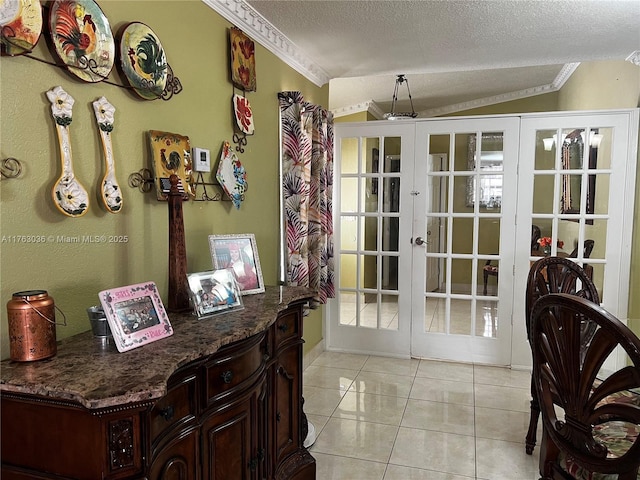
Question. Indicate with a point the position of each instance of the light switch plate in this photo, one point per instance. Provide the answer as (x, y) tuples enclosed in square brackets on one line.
[(201, 159)]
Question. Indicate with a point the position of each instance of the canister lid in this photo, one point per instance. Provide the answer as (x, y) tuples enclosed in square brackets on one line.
[(30, 293)]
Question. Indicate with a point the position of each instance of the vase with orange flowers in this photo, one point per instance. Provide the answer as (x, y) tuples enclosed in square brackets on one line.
[(545, 243)]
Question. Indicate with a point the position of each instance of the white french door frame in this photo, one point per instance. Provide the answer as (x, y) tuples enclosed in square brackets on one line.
[(618, 249), (389, 342), (614, 295)]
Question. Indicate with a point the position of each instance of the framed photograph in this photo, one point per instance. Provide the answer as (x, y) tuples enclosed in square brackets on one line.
[(135, 314), (214, 292), (240, 254)]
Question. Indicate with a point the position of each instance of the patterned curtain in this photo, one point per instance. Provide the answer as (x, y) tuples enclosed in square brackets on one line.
[(307, 189)]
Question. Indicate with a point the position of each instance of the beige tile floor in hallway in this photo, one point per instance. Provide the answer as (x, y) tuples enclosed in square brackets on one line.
[(379, 418)]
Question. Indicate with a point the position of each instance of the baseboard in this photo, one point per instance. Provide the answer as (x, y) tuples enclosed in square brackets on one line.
[(312, 354)]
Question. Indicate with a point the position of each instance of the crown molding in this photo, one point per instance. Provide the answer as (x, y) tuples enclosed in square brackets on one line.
[(634, 58), (564, 74), (370, 106), (243, 16)]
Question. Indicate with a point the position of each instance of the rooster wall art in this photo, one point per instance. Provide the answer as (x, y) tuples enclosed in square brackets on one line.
[(82, 38), (143, 60)]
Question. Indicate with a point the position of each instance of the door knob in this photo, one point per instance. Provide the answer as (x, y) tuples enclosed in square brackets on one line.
[(419, 241)]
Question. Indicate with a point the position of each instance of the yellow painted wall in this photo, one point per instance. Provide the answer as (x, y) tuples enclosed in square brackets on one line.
[(195, 40)]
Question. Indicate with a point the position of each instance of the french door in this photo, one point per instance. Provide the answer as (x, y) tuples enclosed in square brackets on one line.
[(463, 216), (577, 184), (425, 208), (372, 183)]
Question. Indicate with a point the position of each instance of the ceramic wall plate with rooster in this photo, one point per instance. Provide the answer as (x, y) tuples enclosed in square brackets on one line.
[(143, 60), (21, 23), (171, 154), (82, 38)]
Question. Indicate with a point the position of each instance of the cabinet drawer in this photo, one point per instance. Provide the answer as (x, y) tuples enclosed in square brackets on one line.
[(177, 406), (233, 367), (286, 327)]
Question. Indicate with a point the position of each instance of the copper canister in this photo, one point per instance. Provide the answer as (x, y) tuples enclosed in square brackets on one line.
[(32, 326)]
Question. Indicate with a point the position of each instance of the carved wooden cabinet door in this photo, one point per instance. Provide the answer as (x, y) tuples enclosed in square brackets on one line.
[(287, 401), (178, 461), (231, 445)]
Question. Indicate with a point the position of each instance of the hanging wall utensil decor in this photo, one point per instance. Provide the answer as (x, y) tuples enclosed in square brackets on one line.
[(69, 196), (109, 189)]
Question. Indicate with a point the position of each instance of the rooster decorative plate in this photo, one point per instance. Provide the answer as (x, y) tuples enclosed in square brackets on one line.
[(82, 38), (143, 60), (171, 155), (21, 23)]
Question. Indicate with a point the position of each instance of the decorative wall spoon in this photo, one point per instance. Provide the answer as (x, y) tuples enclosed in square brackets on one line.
[(109, 189), (69, 196)]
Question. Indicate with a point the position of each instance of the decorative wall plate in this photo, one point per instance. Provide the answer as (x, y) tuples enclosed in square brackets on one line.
[(143, 60), (243, 62), (171, 154), (82, 38), (21, 23), (243, 114), (231, 175)]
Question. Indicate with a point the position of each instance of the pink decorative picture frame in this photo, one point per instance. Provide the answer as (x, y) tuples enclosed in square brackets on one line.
[(136, 315)]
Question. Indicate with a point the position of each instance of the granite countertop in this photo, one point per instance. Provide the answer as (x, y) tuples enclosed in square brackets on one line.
[(96, 377)]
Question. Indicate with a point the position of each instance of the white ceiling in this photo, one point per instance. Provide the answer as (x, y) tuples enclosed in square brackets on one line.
[(456, 54)]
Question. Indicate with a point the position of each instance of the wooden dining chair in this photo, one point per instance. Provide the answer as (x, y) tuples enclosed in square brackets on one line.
[(553, 275), (587, 432)]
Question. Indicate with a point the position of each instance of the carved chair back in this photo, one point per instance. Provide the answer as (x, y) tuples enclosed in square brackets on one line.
[(554, 275), (586, 429)]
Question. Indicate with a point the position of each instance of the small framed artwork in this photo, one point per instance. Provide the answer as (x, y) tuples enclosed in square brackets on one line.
[(136, 315), (214, 292), (240, 254)]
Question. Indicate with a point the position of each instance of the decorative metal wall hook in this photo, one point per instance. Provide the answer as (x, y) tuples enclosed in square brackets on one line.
[(205, 195), (173, 86), (142, 180), (10, 168), (240, 139)]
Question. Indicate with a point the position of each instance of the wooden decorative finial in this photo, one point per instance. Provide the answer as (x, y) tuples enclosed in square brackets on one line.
[(178, 300)]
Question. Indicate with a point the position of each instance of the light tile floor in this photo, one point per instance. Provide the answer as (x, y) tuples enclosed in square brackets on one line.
[(380, 418)]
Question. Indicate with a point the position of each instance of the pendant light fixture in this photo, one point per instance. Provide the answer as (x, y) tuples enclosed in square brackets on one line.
[(393, 115)]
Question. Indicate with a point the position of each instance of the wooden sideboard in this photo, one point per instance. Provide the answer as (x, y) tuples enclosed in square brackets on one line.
[(226, 408)]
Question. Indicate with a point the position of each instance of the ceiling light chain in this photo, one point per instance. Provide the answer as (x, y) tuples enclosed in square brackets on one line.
[(393, 115)]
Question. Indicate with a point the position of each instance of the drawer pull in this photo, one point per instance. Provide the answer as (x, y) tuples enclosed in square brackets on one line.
[(282, 327), (167, 413), (227, 376)]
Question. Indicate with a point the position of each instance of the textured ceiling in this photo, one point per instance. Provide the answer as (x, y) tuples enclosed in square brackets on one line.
[(455, 53)]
